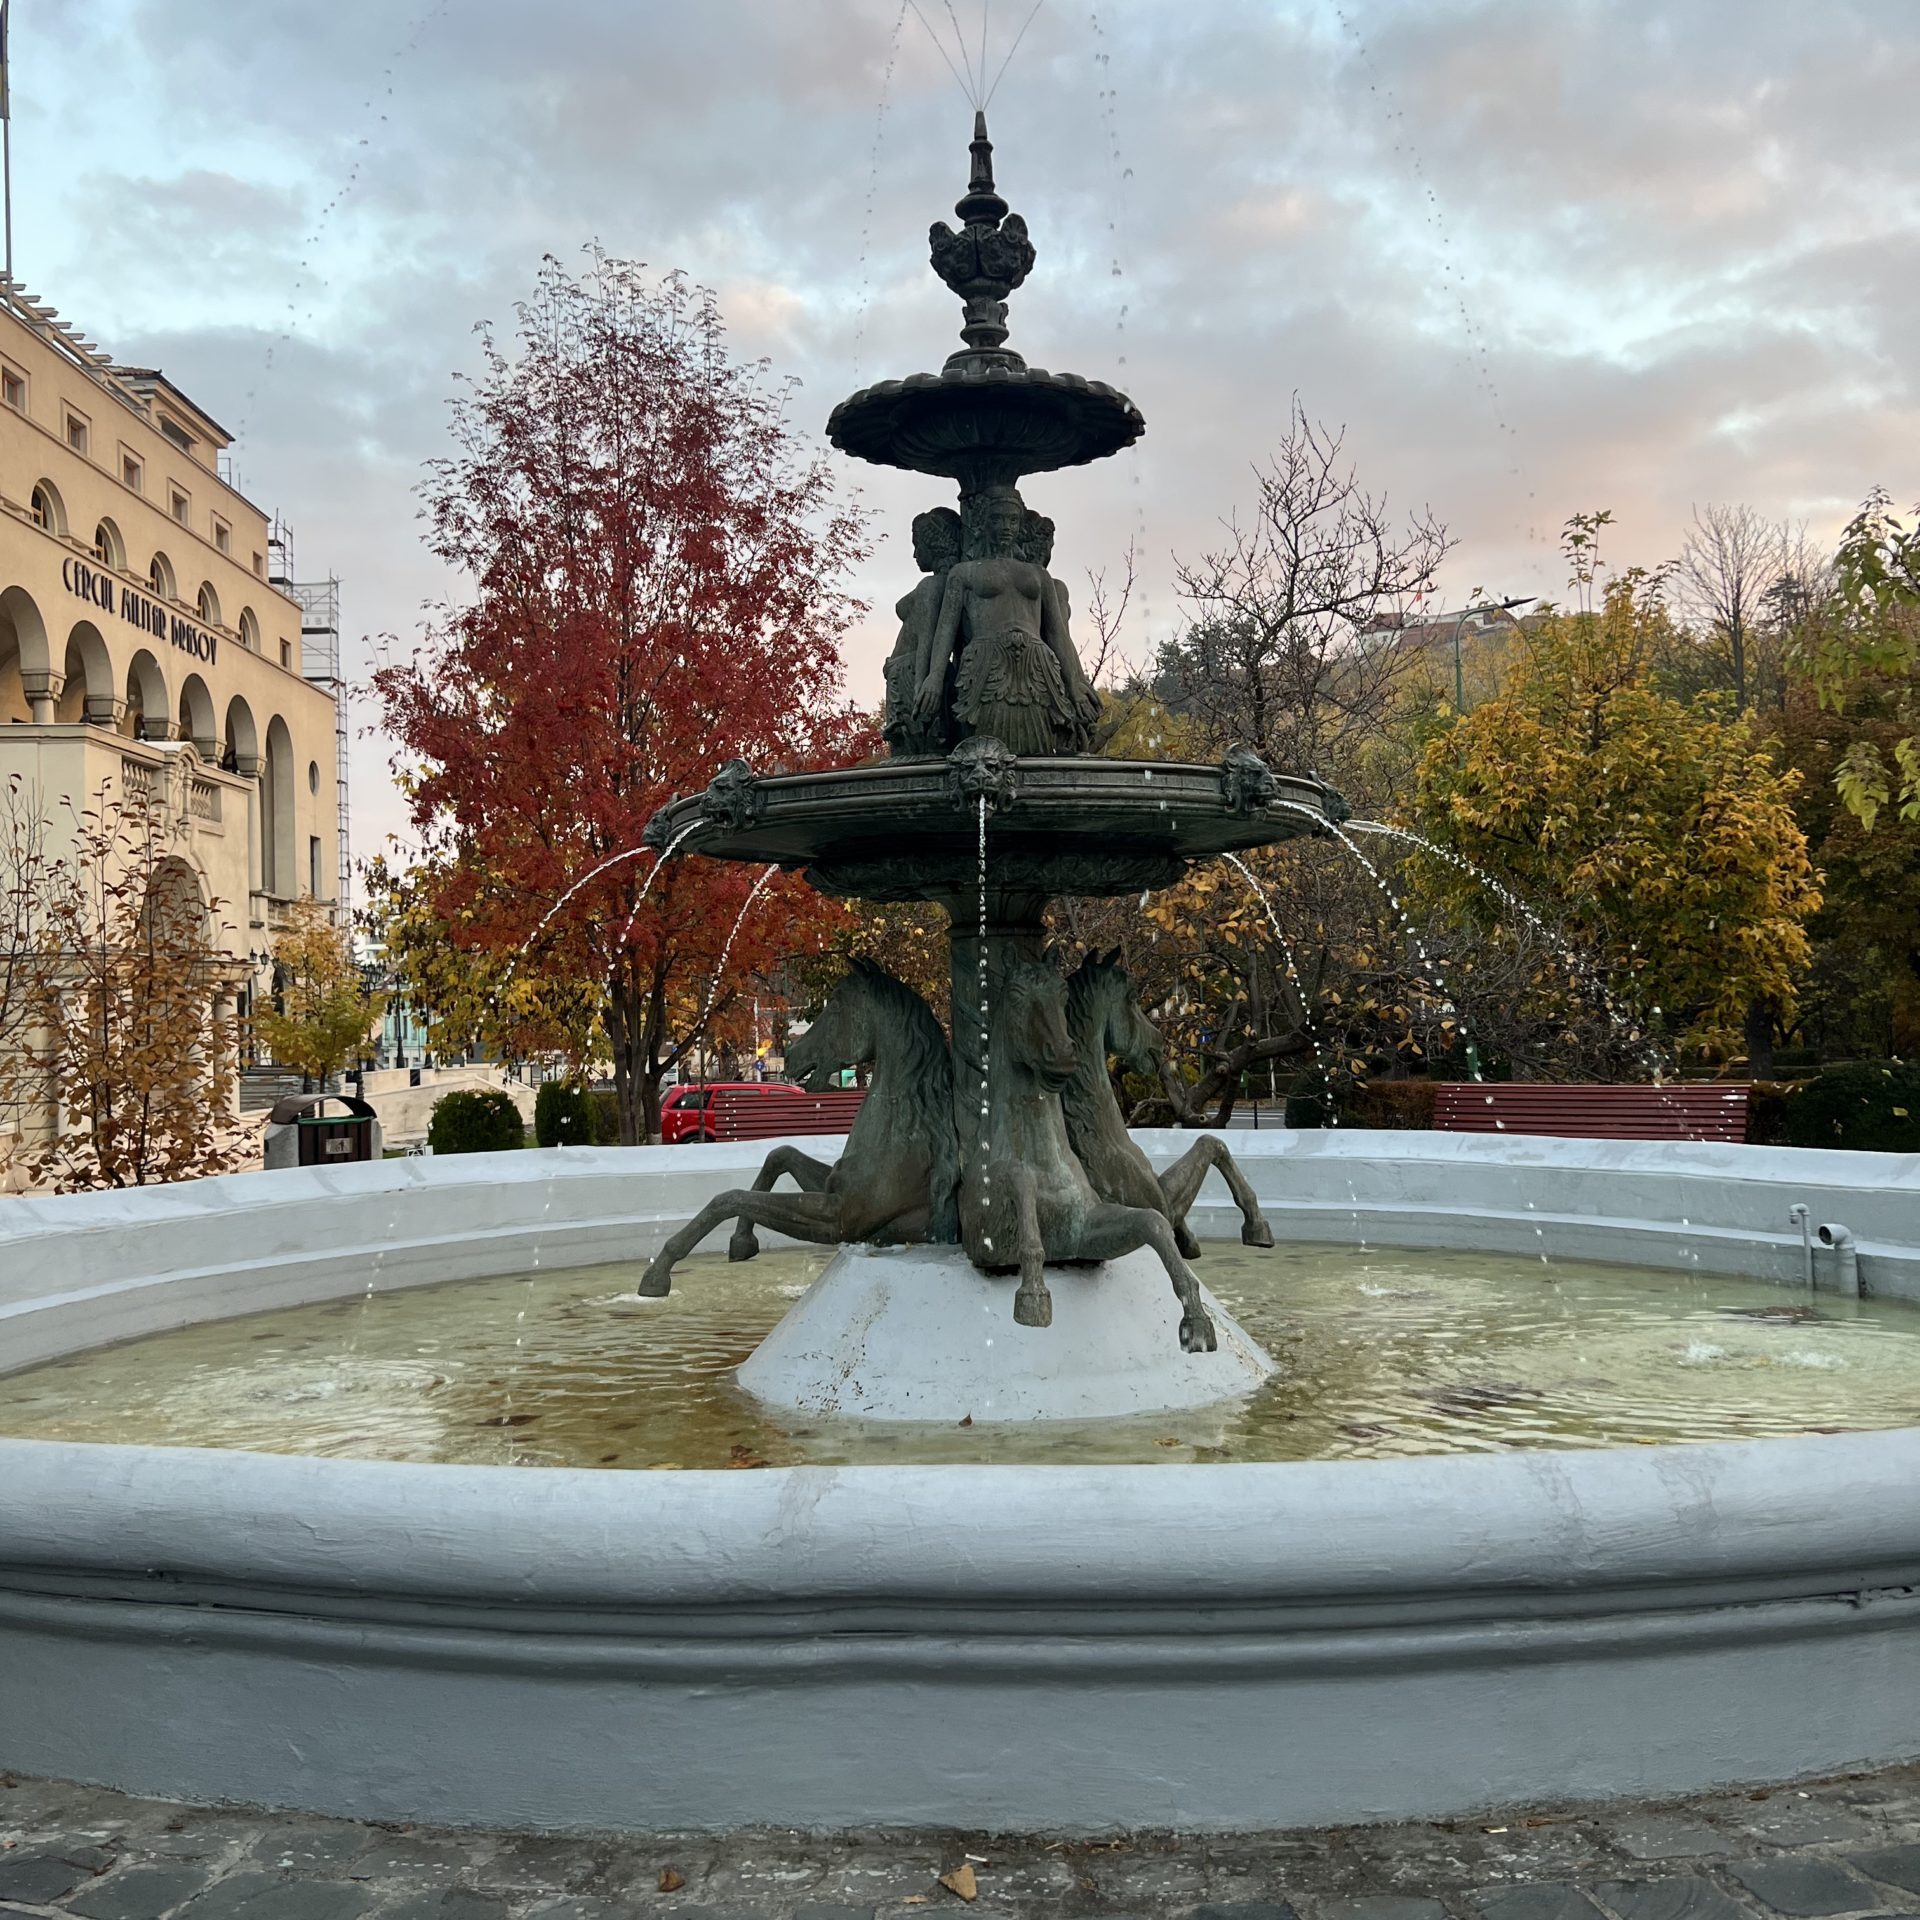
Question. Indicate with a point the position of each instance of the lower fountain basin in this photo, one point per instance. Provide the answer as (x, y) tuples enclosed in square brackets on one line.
[(908, 829), (1063, 1648), (919, 1333)]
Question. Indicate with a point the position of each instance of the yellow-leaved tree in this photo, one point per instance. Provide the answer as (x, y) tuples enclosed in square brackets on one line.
[(323, 1012), (1662, 830)]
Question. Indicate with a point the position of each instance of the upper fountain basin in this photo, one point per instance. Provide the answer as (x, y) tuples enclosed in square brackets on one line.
[(985, 419), (909, 829)]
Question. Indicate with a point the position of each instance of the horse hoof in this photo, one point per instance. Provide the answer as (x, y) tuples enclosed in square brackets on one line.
[(1196, 1333), (655, 1285), (1033, 1307), (1256, 1233), (1183, 1239), (743, 1246)]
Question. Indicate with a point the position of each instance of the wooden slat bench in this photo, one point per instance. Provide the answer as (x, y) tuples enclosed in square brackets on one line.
[(749, 1116), (1695, 1112)]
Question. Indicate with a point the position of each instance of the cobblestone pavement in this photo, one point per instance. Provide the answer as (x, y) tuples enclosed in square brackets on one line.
[(1834, 1848)]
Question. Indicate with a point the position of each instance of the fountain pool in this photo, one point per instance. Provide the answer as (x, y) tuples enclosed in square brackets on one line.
[(1074, 1647), (1382, 1353)]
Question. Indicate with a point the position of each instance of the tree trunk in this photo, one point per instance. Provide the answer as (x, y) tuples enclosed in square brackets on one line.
[(636, 1080), (1759, 1040)]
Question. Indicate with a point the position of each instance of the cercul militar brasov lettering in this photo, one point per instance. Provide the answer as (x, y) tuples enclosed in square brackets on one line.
[(101, 590)]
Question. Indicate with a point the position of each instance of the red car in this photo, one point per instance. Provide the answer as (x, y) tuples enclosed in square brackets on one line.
[(683, 1111)]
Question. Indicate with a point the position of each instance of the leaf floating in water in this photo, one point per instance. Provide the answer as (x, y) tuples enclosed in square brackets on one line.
[(1168, 1441), (607, 1459), (968, 1421), (1773, 1316), (742, 1456), (511, 1420), (1363, 1430)]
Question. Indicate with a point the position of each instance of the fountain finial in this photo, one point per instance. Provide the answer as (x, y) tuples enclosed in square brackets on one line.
[(980, 201), (985, 260)]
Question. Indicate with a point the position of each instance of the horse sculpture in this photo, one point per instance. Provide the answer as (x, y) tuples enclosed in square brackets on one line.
[(1026, 1200), (897, 1178), (1103, 1017)]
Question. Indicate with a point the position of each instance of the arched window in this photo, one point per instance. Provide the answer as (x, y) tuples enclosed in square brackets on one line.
[(46, 509), (160, 576), (249, 629), (108, 548), (208, 604)]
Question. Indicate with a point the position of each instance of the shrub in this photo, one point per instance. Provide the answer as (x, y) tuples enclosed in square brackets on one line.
[(485, 1121), (605, 1108), (1389, 1103), (563, 1115), (1873, 1106), (1310, 1100), (1767, 1113)]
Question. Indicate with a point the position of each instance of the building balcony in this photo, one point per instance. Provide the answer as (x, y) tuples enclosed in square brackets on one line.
[(81, 769)]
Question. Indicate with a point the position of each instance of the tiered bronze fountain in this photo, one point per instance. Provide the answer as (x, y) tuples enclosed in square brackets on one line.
[(993, 801)]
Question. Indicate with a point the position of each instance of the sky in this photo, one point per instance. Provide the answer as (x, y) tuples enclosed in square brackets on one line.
[(1536, 258)]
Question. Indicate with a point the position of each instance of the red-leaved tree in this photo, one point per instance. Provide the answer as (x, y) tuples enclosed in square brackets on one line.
[(658, 572)]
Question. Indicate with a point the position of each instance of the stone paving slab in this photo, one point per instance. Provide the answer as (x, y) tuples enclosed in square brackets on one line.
[(1841, 1849)]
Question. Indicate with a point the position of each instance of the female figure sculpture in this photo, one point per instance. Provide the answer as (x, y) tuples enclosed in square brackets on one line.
[(1018, 680), (936, 550)]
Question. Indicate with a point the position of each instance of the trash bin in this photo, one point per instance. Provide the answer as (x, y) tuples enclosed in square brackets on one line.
[(300, 1133)]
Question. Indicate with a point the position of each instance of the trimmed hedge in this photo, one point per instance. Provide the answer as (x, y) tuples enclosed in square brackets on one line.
[(470, 1121), (563, 1115), (1404, 1104), (1872, 1107)]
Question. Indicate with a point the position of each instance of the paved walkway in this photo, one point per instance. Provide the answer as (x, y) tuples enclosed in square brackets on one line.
[(1840, 1847)]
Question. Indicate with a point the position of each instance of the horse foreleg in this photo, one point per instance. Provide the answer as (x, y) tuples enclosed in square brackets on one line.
[(808, 1174), (801, 1216), (1112, 1231), (1032, 1303), (1181, 1186)]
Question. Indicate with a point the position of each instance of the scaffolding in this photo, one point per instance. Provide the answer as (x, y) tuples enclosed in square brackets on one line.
[(319, 602)]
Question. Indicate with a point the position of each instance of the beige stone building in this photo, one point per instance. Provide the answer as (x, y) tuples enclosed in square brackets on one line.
[(151, 644)]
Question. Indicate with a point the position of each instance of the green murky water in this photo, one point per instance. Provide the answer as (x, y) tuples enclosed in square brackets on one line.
[(1380, 1353)]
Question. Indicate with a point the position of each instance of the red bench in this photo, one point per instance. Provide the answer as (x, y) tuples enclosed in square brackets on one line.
[(749, 1116), (1713, 1112)]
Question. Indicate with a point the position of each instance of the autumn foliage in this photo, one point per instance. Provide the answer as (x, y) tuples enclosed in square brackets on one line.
[(657, 571), (126, 1040), (1662, 828)]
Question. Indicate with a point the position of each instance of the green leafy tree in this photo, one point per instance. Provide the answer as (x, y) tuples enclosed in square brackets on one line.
[(1874, 642), (1664, 829), (325, 1012)]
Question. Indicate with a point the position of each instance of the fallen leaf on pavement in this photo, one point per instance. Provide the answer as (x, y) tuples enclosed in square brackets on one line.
[(670, 1881), (962, 1882)]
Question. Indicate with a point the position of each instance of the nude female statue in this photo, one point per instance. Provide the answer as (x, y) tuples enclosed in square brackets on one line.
[(1019, 680), (936, 550)]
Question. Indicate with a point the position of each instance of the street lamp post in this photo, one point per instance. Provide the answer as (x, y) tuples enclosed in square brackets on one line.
[(1460, 620)]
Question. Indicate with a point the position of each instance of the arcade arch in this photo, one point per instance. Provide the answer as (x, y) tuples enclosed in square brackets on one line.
[(195, 717), (148, 710), (91, 692), (25, 664), (278, 843)]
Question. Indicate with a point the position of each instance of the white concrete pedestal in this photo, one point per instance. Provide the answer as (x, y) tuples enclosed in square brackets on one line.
[(918, 1333)]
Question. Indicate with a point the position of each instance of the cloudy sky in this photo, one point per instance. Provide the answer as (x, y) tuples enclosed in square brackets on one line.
[(1536, 257)]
